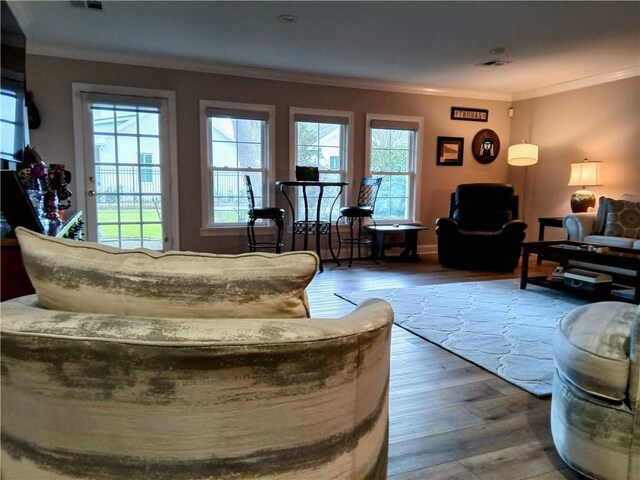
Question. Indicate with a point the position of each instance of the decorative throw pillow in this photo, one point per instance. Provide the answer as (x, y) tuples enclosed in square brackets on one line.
[(87, 277), (601, 216), (623, 219)]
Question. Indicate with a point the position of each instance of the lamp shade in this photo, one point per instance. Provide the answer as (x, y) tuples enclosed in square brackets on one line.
[(523, 154), (585, 173)]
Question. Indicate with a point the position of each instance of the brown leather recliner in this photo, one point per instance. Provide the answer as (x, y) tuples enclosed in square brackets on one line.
[(482, 230)]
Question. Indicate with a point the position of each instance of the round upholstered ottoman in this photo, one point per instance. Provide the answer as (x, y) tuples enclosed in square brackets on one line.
[(594, 406)]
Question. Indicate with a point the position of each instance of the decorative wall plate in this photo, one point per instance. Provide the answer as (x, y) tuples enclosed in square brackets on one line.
[(485, 146)]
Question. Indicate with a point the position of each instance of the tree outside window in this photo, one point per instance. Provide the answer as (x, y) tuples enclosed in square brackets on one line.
[(321, 145), (392, 155)]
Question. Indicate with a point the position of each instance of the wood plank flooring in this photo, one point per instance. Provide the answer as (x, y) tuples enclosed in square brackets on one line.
[(449, 420)]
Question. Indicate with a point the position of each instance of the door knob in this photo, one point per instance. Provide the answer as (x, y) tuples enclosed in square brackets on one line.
[(91, 193)]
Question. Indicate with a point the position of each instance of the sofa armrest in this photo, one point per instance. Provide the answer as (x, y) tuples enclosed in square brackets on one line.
[(130, 397), (514, 226), (579, 225), (634, 369), (446, 225)]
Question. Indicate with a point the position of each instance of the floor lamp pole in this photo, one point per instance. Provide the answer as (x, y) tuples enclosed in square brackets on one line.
[(524, 193)]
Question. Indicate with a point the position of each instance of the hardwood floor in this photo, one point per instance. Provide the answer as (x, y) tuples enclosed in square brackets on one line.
[(448, 418)]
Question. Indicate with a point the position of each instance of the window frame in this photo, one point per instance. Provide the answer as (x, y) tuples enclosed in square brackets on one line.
[(346, 172), (414, 175), (208, 227)]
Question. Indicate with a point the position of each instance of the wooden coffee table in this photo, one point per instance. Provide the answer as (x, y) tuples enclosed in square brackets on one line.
[(562, 251)]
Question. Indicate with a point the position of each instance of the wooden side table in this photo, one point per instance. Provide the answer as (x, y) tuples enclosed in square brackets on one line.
[(410, 243), (554, 222)]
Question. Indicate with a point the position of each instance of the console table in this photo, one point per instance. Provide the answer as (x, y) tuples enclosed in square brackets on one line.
[(410, 243), (562, 251)]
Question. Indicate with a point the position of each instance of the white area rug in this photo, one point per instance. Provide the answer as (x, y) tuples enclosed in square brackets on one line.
[(493, 324)]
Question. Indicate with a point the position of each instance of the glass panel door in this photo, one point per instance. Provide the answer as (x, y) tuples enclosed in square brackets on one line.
[(125, 173)]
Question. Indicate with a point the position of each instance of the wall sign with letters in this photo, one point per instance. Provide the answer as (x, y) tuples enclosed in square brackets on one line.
[(470, 114)]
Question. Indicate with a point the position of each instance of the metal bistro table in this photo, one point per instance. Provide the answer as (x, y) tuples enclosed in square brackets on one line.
[(308, 227)]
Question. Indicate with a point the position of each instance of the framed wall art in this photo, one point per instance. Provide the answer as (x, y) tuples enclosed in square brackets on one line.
[(450, 151), (485, 146), (469, 114)]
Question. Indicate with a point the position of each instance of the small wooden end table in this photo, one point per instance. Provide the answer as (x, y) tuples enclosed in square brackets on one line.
[(410, 242)]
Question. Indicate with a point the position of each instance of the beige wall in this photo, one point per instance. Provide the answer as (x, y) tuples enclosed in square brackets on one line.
[(50, 79), (601, 123)]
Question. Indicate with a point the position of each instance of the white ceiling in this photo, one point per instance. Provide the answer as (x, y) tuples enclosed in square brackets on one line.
[(420, 43)]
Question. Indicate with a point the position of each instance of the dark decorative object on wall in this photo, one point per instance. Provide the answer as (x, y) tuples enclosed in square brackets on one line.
[(33, 114), (485, 146), (469, 114), (450, 151)]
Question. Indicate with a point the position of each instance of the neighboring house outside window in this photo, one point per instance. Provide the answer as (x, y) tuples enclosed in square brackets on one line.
[(146, 173), (322, 139), (393, 149), (239, 142)]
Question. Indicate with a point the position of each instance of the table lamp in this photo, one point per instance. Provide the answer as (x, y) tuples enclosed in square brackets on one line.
[(584, 174)]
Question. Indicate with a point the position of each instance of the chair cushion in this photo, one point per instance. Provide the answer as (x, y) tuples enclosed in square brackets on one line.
[(87, 277), (355, 211), (482, 219), (608, 241), (483, 206), (268, 212), (622, 219), (591, 348)]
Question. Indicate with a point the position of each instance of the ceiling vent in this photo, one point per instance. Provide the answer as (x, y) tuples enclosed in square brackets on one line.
[(86, 5), (494, 63)]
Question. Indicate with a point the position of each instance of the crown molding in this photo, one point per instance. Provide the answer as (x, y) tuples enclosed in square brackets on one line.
[(261, 73), (317, 79), (580, 83), (21, 12)]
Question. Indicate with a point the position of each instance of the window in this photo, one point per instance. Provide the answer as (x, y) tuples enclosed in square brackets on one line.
[(238, 143), (393, 151), (321, 138), (8, 123)]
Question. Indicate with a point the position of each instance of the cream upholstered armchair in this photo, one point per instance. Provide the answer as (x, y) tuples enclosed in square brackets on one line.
[(609, 225), (595, 404), (192, 391)]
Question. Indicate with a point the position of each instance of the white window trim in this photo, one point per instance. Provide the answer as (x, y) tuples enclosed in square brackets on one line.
[(415, 195), (348, 165), (173, 236), (270, 166)]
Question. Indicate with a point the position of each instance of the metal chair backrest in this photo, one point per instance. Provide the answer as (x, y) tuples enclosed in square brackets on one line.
[(368, 193), (250, 197)]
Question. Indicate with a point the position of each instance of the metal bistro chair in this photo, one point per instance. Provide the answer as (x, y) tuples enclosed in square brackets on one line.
[(367, 195), (263, 213)]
